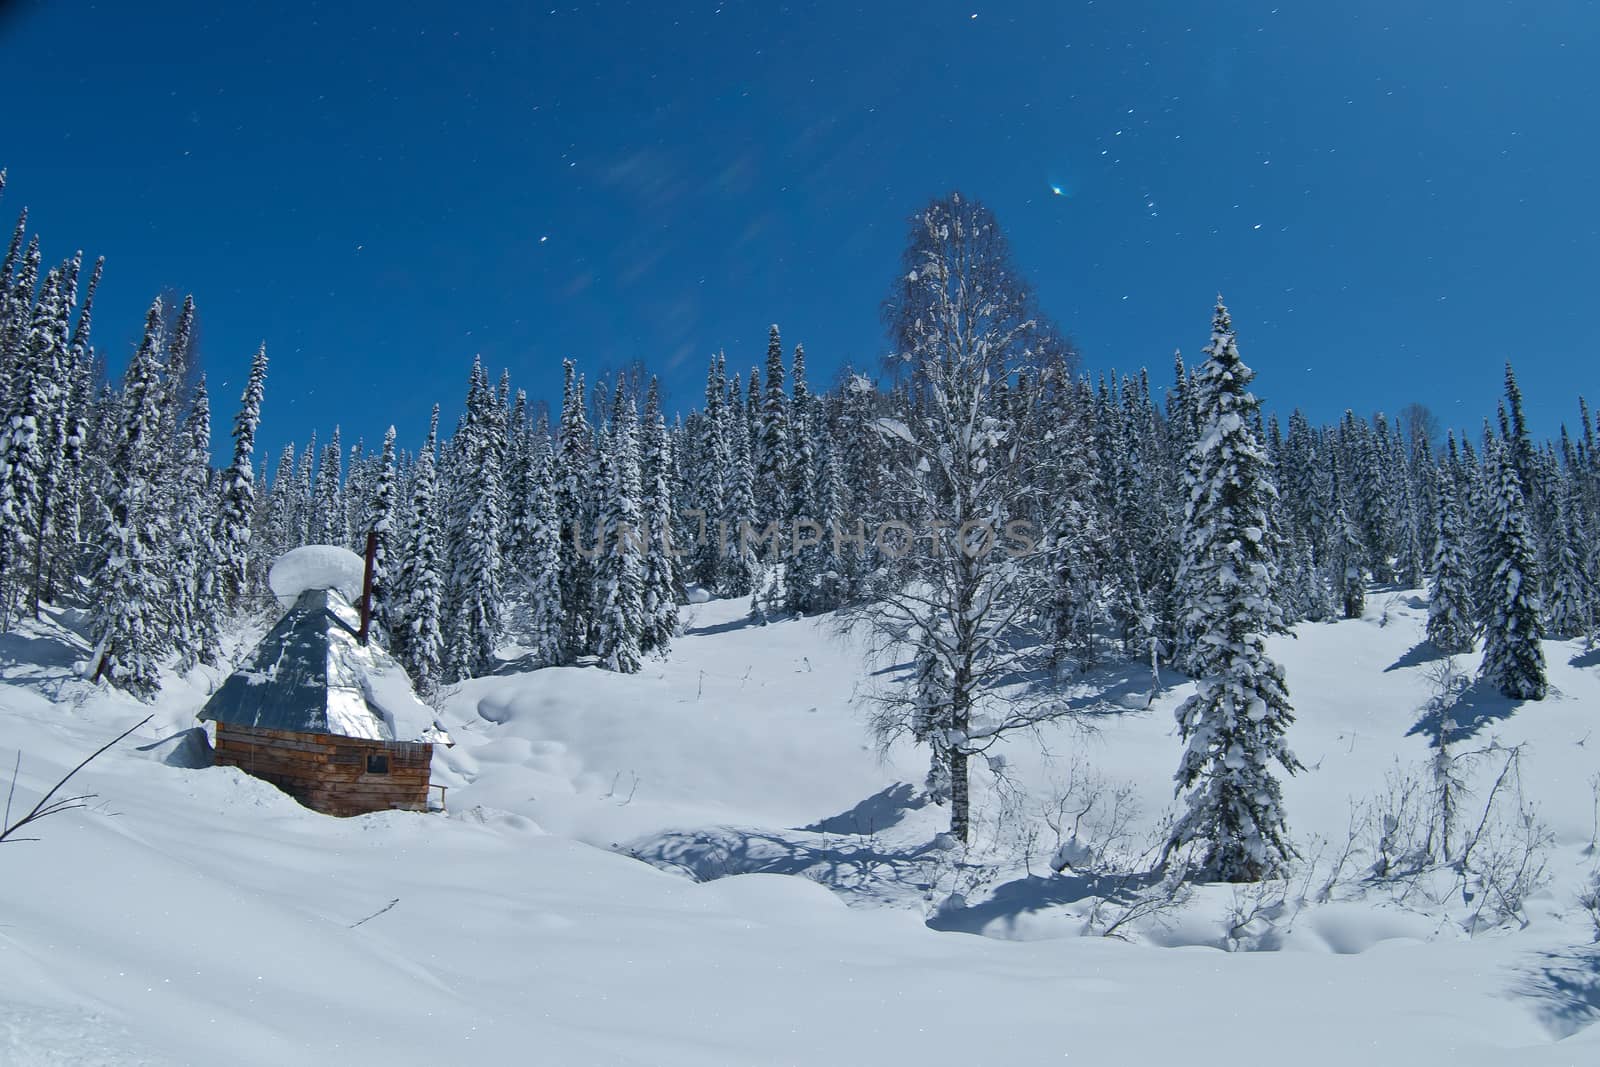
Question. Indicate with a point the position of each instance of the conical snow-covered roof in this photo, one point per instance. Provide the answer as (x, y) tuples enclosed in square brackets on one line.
[(309, 674)]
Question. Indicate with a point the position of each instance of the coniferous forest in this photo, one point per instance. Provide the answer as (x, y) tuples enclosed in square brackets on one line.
[(979, 498)]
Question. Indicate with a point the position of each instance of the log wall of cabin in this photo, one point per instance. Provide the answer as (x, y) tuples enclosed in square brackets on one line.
[(329, 774)]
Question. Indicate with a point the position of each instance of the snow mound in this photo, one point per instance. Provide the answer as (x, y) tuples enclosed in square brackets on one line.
[(316, 567), (769, 897)]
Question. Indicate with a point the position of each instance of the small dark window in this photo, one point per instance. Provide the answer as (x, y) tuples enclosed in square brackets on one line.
[(377, 764)]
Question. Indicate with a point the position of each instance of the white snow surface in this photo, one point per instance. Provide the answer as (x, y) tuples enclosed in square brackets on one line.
[(316, 567), (195, 915)]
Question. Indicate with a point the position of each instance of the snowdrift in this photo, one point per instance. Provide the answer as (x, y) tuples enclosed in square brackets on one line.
[(195, 913)]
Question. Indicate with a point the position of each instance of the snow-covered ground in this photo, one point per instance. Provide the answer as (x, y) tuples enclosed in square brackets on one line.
[(195, 915)]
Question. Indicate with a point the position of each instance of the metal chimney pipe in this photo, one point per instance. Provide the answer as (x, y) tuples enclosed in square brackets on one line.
[(366, 587)]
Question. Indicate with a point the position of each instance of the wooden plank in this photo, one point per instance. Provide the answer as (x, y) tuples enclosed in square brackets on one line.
[(275, 744), (337, 789)]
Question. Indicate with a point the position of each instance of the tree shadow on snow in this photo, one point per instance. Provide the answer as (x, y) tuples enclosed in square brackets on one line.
[(859, 869), (1423, 652), (37, 651), (1591, 658), (998, 913), (1479, 705), (881, 810), (46, 661), (743, 622), (1566, 988), (1115, 689)]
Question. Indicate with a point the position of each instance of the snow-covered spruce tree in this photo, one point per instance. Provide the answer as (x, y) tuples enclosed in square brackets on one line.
[(52, 355), (961, 321), (1346, 554), (417, 637), (1140, 561), (1303, 484), (543, 554), (381, 522), (277, 531), (1519, 443), (740, 566), (1370, 506), (168, 481), (352, 525), (575, 514), (1450, 615), (619, 570), (8, 266), (326, 523), (707, 463), (1513, 659), (1412, 571), (752, 409), (515, 547), (1065, 465), (237, 511), (17, 312), (863, 464), (770, 448), (66, 523), (473, 596), (27, 466), (1571, 609), (128, 583), (64, 554), (1481, 489), (1316, 601), (835, 565), (802, 575), (660, 594), (303, 524), (1234, 724), (189, 553)]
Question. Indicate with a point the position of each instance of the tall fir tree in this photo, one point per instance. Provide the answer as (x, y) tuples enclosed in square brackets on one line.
[(417, 635), (1347, 553), (72, 495), (128, 583), (197, 580), (474, 602), (26, 460), (1571, 606), (1513, 658), (573, 513), (1234, 725), (619, 568), (236, 514), (770, 449), (660, 594), (543, 555), (712, 463), (739, 564), (326, 524), (303, 525), (51, 354), (1450, 612), (804, 549), (359, 484), (381, 522)]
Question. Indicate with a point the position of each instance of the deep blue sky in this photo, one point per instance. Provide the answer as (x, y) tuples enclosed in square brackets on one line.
[(1393, 202)]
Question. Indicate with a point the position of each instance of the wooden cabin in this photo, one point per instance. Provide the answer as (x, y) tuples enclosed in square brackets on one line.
[(326, 718), (331, 774)]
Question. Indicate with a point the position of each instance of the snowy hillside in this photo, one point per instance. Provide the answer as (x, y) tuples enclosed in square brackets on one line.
[(195, 915)]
